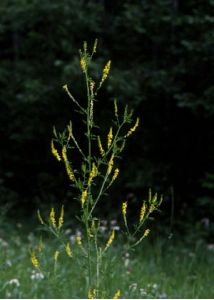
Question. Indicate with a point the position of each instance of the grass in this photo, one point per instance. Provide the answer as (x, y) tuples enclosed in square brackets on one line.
[(160, 268)]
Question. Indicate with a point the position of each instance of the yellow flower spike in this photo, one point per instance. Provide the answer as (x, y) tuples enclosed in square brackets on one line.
[(68, 250), (124, 208), (110, 240), (106, 71), (92, 294), (61, 217), (54, 151), (67, 164), (115, 108), (56, 255), (110, 164), (116, 173), (79, 240), (93, 173), (146, 233), (83, 64), (133, 128), (34, 260), (39, 217), (83, 197), (110, 137), (102, 152), (92, 86), (117, 294), (52, 217), (142, 211)]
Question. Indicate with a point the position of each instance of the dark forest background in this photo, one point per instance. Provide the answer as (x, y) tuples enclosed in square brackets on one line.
[(162, 66)]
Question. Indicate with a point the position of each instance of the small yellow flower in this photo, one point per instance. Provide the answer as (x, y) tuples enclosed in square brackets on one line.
[(93, 173), (117, 295), (116, 173), (110, 164), (110, 240), (106, 71), (67, 164), (83, 197), (146, 233), (124, 208), (142, 211), (34, 260), (110, 137), (61, 218), (79, 240), (54, 151), (102, 152), (68, 250), (52, 217), (83, 64), (39, 217), (56, 255), (92, 86), (92, 294), (133, 128)]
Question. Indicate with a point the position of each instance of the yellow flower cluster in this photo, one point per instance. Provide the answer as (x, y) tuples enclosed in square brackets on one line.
[(52, 217), (92, 86), (106, 71), (110, 164), (84, 196), (68, 250), (92, 294), (83, 64), (54, 151), (146, 233), (110, 137), (93, 173), (61, 218), (110, 240), (116, 173), (67, 164), (102, 152), (117, 295), (34, 260), (133, 128), (124, 208), (79, 240), (142, 211)]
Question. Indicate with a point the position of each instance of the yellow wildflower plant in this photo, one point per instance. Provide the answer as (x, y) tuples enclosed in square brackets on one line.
[(34, 260), (68, 250), (110, 138), (83, 197), (124, 208), (117, 294), (83, 64), (115, 108), (93, 173), (115, 175), (110, 164), (92, 294), (133, 128), (69, 171), (52, 217), (106, 71), (54, 151), (79, 240), (102, 152), (111, 239), (146, 233), (143, 211), (61, 217)]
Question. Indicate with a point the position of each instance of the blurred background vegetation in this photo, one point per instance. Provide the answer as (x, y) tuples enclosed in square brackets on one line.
[(162, 66)]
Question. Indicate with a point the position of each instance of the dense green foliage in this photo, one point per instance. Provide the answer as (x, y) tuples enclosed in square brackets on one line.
[(162, 66)]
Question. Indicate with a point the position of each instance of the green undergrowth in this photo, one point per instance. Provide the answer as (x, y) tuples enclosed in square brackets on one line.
[(159, 268)]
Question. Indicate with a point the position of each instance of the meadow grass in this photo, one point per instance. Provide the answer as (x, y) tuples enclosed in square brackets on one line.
[(159, 268)]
